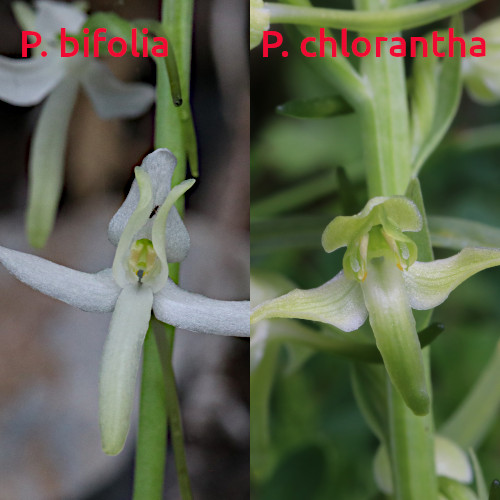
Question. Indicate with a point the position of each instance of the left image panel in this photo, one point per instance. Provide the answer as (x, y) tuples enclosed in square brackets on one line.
[(124, 250)]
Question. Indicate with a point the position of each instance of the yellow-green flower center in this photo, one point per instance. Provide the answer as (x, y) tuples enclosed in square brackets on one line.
[(378, 242), (143, 260)]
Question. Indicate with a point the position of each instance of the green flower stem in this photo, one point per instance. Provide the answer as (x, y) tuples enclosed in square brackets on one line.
[(385, 125), (411, 445), (169, 133), (397, 19), (152, 436), (164, 341), (386, 144), (177, 21)]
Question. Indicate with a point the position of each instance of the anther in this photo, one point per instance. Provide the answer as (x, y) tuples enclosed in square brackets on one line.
[(140, 274)]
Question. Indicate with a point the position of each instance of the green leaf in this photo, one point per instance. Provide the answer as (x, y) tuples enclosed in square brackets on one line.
[(317, 107), (474, 417), (296, 147), (114, 24), (369, 385), (261, 384), (457, 234), (435, 104), (453, 490), (482, 493), (383, 21), (296, 196), (298, 232)]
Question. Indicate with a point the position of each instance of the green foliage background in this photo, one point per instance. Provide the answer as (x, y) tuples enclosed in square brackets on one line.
[(320, 444)]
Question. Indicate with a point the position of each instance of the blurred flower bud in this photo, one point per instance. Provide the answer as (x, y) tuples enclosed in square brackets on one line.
[(451, 463), (482, 73), (259, 21)]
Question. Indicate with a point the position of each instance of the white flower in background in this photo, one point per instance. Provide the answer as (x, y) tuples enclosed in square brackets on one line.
[(482, 74), (26, 82), (148, 232), (382, 280)]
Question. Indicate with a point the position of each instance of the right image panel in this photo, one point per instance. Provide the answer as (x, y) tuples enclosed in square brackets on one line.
[(375, 172)]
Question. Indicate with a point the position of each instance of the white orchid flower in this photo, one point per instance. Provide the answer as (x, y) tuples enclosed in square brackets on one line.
[(26, 82), (381, 280), (148, 232)]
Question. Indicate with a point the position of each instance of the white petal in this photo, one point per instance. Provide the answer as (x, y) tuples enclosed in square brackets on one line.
[(46, 161), (113, 98), (160, 165), (26, 82), (90, 292), (135, 222), (198, 313), (158, 231), (52, 16), (120, 362), (429, 283), (338, 302)]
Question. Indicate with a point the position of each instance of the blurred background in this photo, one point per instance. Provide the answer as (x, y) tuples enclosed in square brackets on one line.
[(320, 446), (50, 353)]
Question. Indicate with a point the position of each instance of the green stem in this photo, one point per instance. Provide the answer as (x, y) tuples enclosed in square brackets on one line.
[(337, 70), (165, 346), (411, 445), (386, 144), (152, 435), (154, 406), (397, 19), (385, 125)]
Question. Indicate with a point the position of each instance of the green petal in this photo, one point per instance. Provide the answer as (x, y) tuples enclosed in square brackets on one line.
[(338, 302), (138, 218), (395, 333), (397, 210), (428, 284)]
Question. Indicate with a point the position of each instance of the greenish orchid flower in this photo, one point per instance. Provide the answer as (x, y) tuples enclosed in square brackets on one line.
[(482, 74), (383, 281), (26, 82), (149, 233), (259, 21)]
